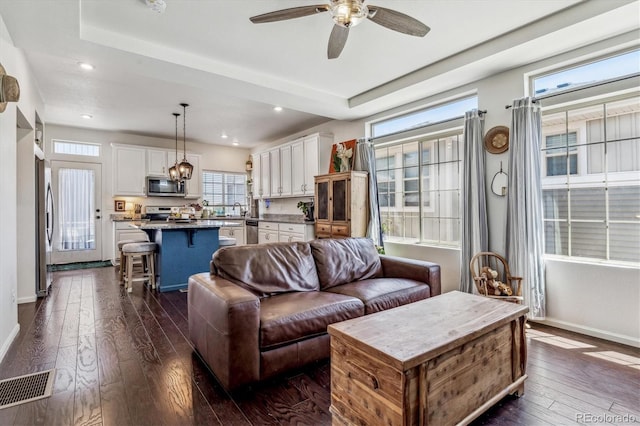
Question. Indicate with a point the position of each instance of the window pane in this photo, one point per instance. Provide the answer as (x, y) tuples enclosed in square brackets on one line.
[(587, 74), (556, 237), (588, 240), (76, 148), (626, 203), (588, 204), (424, 117), (76, 207), (624, 241), (224, 191), (555, 203)]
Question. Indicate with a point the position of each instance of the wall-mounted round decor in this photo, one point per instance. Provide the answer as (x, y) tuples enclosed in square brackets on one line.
[(496, 140)]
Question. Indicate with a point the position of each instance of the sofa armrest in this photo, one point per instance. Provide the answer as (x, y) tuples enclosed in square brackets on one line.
[(224, 321), (419, 270)]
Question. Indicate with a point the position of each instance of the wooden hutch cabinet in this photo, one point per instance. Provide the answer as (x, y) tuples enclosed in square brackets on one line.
[(341, 204)]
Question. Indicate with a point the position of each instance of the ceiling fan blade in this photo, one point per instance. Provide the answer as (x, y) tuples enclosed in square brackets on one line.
[(337, 40), (397, 21), (294, 12)]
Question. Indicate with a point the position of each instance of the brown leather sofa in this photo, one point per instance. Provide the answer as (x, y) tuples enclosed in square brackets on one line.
[(264, 309)]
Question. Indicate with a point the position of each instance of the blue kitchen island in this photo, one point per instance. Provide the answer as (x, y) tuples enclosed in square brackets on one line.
[(183, 249)]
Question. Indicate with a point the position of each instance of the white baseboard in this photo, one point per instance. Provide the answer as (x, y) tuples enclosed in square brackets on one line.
[(593, 332), (28, 299), (7, 343)]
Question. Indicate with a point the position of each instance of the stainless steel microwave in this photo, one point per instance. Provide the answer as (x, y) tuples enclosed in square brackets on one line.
[(164, 187)]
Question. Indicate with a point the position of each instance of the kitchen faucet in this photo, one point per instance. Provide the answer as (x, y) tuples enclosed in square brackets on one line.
[(240, 208)]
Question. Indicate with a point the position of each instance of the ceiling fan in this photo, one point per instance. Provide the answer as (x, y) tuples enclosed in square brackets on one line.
[(347, 14)]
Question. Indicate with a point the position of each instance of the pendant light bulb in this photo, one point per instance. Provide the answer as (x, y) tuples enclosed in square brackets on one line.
[(174, 174), (185, 168)]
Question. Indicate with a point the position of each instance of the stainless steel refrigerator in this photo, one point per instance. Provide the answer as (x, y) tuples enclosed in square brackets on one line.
[(45, 216)]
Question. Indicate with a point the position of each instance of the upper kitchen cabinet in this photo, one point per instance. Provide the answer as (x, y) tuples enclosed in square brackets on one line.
[(194, 185), (288, 170), (129, 170), (280, 160), (309, 157), (157, 162), (265, 175)]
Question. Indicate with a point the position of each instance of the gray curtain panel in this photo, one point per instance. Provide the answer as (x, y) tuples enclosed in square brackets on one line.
[(474, 235), (525, 228), (366, 161)]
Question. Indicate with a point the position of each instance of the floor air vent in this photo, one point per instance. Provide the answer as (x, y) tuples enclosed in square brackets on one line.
[(30, 387)]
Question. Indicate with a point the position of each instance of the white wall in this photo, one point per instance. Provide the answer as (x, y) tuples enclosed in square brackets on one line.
[(214, 157), (15, 64)]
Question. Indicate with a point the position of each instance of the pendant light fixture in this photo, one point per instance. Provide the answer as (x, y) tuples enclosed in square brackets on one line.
[(185, 168), (174, 174)]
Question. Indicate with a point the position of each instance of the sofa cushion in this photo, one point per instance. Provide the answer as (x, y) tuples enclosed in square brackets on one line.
[(287, 318), (267, 269), (341, 261), (379, 294)]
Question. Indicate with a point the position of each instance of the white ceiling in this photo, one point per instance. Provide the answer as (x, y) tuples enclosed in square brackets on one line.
[(232, 72)]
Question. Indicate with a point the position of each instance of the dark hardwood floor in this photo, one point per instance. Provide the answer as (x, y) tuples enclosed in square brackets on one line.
[(126, 359)]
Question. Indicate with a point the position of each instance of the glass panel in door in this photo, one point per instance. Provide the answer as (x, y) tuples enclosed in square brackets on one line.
[(339, 195), (322, 193), (78, 228)]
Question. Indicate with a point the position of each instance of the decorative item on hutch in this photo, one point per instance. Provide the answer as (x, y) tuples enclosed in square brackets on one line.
[(342, 156)]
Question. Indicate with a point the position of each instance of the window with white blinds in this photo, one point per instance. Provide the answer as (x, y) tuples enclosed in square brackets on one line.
[(224, 192)]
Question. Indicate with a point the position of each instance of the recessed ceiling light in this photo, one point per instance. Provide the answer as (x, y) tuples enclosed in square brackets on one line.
[(277, 108), (235, 144), (87, 116), (86, 66), (224, 136)]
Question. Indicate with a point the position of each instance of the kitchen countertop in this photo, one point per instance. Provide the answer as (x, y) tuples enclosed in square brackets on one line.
[(284, 218), (231, 220), (184, 225)]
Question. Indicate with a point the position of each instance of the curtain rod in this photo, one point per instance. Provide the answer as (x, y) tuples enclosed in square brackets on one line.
[(534, 100)]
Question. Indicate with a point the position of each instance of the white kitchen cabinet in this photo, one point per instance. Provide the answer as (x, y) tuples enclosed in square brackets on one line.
[(267, 232), (236, 232), (289, 169), (129, 171), (194, 185), (285, 171), (157, 162), (297, 167), (274, 172), (265, 175), (291, 232)]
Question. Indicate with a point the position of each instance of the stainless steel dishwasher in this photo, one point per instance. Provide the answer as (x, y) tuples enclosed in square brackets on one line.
[(252, 231)]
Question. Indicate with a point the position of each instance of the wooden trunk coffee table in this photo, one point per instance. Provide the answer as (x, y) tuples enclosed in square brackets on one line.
[(440, 361)]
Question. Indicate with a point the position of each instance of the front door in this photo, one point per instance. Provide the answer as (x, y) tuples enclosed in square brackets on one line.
[(78, 228)]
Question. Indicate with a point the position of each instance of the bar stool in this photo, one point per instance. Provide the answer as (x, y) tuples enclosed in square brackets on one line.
[(146, 251), (226, 241), (120, 244)]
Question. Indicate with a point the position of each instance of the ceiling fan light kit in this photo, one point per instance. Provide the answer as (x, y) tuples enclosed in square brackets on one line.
[(347, 14)]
